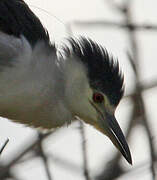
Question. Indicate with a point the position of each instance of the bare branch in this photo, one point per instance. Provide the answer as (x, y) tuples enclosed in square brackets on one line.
[(135, 64), (113, 24), (4, 145), (84, 151), (40, 152), (6, 169)]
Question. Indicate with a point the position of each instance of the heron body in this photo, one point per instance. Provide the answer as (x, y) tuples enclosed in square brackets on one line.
[(41, 89), (28, 82)]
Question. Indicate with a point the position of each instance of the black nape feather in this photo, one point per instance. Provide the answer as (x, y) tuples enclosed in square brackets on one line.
[(17, 19), (103, 71)]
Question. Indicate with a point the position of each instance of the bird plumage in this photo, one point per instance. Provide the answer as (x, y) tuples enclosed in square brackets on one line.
[(17, 19), (41, 89), (28, 63), (27, 82)]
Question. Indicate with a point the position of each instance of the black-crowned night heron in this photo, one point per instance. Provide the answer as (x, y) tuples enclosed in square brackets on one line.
[(41, 89)]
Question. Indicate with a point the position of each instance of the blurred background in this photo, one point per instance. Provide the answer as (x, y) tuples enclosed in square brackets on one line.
[(128, 29)]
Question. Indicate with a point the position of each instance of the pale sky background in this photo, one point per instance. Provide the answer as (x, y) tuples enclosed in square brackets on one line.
[(66, 143)]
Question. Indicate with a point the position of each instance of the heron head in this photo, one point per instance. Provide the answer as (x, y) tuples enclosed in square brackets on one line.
[(94, 88)]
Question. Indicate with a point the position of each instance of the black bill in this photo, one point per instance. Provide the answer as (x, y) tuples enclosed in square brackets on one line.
[(115, 133)]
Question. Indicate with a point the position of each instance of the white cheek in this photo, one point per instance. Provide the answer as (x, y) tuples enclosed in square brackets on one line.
[(78, 92), (86, 111)]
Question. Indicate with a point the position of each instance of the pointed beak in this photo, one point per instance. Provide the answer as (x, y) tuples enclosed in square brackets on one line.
[(111, 128)]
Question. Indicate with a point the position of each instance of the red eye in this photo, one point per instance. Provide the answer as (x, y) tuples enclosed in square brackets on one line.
[(98, 98)]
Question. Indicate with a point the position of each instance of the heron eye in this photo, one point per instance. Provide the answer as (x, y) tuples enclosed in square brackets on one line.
[(98, 98)]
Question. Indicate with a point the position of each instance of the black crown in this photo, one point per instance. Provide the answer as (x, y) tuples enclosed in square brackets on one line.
[(103, 71)]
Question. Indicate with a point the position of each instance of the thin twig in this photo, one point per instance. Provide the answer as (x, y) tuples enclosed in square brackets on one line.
[(6, 169), (43, 156), (144, 87), (4, 145), (113, 24), (84, 151), (135, 63)]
